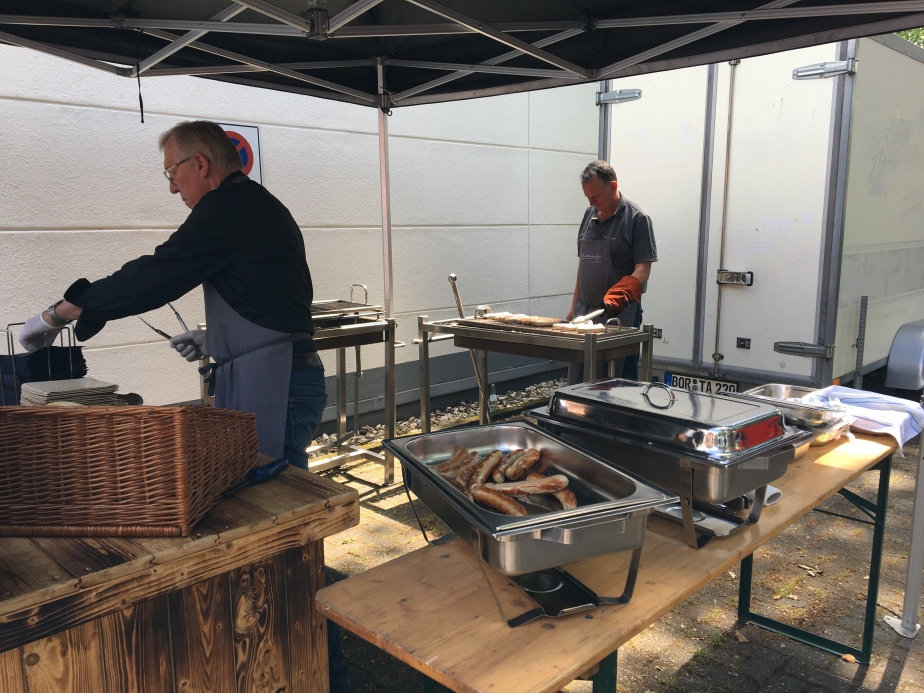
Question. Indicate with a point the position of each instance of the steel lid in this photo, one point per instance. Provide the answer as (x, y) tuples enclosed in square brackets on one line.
[(691, 422)]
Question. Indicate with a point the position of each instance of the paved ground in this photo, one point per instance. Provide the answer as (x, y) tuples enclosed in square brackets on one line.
[(697, 647)]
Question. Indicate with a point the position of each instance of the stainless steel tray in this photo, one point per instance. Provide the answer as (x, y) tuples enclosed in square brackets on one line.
[(613, 505), (692, 423), (796, 413)]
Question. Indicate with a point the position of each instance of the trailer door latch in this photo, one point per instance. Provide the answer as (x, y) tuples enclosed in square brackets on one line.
[(618, 96), (729, 277), (824, 351), (831, 69)]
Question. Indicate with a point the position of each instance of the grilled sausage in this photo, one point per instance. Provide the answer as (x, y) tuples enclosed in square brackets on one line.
[(546, 484), (509, 458), (483, 473), (460, 488), (566, 497), (471, 460), (468, 471), (521, 465), (498, 501), (452, 462)]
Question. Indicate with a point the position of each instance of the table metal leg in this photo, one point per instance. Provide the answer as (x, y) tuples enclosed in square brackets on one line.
[(341, 397), (908, 625), (424, 365), (604, 681), (644, 366), (484, 415), (876, 512), (590, 357), (391, 423)]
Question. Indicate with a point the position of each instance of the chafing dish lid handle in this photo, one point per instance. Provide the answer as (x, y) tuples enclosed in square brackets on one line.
[(670, 392)]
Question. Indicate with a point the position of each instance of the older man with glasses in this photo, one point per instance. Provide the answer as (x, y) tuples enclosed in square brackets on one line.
[(246, 251)]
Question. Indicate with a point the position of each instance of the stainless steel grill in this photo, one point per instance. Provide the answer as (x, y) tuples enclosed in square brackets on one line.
[(483, 336), (709, 449)]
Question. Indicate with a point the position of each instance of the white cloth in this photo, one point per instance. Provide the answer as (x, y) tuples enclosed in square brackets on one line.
[(37, 333), (187, 343), (874, 413)]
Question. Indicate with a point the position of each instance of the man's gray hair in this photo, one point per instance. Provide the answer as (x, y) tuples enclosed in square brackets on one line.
[(599, 169), (203, 137)]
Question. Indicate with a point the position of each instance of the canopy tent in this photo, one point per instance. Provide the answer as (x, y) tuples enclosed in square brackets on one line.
[(391, 53)]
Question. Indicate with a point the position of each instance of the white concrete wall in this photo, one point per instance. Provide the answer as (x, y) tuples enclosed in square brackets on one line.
[(486, 189)]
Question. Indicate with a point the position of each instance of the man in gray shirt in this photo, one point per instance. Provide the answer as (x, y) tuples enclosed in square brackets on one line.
[(616, 247)]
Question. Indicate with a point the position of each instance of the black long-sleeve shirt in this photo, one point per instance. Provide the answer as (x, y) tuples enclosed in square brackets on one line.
[(241, 239)]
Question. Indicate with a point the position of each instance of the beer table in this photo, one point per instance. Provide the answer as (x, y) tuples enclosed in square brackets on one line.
[(432, 609)]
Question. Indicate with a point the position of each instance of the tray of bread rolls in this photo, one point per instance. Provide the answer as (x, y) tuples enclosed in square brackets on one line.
[(533, 324)]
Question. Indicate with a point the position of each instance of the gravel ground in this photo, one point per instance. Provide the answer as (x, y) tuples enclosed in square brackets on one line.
[(465, 412), (813, 576)]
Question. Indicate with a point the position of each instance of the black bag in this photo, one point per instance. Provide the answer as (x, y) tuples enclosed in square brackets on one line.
[(49, 363)]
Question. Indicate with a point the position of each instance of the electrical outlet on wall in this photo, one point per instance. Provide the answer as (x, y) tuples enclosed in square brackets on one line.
[(743, 343)]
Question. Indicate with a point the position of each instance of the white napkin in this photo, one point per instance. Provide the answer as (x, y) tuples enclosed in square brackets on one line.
[(874, 413)]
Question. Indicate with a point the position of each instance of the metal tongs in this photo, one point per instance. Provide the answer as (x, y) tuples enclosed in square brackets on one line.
[(589, 317)]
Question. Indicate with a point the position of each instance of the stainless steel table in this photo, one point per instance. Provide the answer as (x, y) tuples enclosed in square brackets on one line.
[(363, 332), (590, 348)]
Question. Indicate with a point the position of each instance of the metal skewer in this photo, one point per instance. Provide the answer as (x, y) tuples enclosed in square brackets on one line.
[(482, 391)]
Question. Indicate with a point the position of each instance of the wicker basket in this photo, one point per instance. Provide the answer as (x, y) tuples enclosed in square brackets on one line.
[(118, 471)]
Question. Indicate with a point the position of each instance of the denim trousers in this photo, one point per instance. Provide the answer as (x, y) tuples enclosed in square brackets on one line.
[(307, 399)]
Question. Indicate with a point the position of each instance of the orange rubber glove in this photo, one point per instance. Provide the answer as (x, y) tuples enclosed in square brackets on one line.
[(627, 290)]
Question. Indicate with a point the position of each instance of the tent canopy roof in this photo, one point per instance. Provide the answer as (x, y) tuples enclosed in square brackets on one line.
[(431, 51)]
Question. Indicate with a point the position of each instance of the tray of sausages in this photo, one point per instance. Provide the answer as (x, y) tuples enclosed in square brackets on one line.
[(527, 498)]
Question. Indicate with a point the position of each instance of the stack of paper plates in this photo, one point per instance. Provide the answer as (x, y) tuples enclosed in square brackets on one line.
[(77, 391)]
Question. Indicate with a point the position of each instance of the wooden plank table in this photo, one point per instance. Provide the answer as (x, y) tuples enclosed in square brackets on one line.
[(226, 609), (432, 609)]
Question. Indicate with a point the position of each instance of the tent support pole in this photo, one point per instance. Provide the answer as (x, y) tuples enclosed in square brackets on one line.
[(390, 410), (386, 193)]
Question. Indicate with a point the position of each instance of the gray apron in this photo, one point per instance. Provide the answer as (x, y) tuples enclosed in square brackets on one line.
[(254, 366), (596, 274)]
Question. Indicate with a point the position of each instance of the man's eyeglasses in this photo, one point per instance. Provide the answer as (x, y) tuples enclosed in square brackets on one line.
[(168, 171)]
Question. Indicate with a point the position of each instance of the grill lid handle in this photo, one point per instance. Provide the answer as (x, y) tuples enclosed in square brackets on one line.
[(670, 392)]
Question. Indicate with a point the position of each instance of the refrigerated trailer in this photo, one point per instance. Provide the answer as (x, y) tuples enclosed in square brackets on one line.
[(783, 188)]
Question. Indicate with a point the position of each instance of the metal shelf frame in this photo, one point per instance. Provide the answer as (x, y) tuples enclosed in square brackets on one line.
[(356, 336)]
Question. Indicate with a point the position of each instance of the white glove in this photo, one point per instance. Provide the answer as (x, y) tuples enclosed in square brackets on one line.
[(187, 344), (37, 333)]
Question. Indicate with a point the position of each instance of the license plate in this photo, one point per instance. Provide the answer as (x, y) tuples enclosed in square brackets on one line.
[(698, 384)]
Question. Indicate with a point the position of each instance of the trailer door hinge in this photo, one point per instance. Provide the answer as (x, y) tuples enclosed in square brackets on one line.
[(832, 69), (618, 96), (729, 277), (825, 351)]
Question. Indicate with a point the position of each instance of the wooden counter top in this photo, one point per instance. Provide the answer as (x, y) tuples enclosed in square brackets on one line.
[(432, 609), (48, 585)]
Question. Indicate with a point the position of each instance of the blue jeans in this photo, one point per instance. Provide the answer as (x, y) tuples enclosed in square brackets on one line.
[(307, 399)]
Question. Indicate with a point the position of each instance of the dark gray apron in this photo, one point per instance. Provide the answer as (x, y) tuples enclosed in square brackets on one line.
[(596, 274), (253, 371)]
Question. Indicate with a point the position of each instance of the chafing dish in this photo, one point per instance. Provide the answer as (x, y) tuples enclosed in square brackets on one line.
[(709, 449), (787, 398), (612, 512)]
